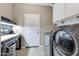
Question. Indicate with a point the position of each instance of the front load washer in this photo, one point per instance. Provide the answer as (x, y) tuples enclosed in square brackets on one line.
[(65, 38)]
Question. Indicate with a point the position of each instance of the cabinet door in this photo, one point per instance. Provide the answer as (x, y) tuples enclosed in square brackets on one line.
[(72, 9), (58, 11)]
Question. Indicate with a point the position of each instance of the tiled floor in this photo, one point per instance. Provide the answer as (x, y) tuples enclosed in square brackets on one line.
[(37, 51)]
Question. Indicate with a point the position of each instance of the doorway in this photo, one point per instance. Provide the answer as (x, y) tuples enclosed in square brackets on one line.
[(32, 30)]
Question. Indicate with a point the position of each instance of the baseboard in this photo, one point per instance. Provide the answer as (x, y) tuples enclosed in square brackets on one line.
[(32, 46), (41, 46), (23, 47)]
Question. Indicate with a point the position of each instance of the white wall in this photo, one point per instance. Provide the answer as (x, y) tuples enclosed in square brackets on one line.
[(45, 16), (6, 10)]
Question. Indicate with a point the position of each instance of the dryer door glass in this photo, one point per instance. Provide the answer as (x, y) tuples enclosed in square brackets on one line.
[(64, 43)]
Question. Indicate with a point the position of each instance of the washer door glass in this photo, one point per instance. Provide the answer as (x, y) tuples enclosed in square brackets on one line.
[(64, 43)]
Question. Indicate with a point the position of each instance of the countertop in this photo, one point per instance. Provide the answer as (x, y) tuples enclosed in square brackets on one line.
[(9, 36)]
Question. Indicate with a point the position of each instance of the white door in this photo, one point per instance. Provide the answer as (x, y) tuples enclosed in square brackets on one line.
[(32, 29)]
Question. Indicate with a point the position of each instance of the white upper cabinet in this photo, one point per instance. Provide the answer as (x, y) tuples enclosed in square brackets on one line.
[(64, 10), (72, 9), (58, 11)]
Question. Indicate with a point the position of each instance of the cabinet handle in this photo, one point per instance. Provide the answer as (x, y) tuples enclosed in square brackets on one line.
[(55, 24), (77, 17), (62, 22)]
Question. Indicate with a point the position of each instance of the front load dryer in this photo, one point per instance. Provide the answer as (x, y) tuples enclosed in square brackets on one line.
[(65, 38)]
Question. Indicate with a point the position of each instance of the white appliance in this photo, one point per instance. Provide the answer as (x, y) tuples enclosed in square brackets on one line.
[(65, 37), (32, 36), (47, 43)]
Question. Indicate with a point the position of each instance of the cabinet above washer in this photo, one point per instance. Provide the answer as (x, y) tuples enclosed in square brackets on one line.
[(72, 9), (64, 10), (58, 11)]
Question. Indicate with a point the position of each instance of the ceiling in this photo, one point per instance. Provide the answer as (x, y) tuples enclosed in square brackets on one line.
[(43, 4)]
